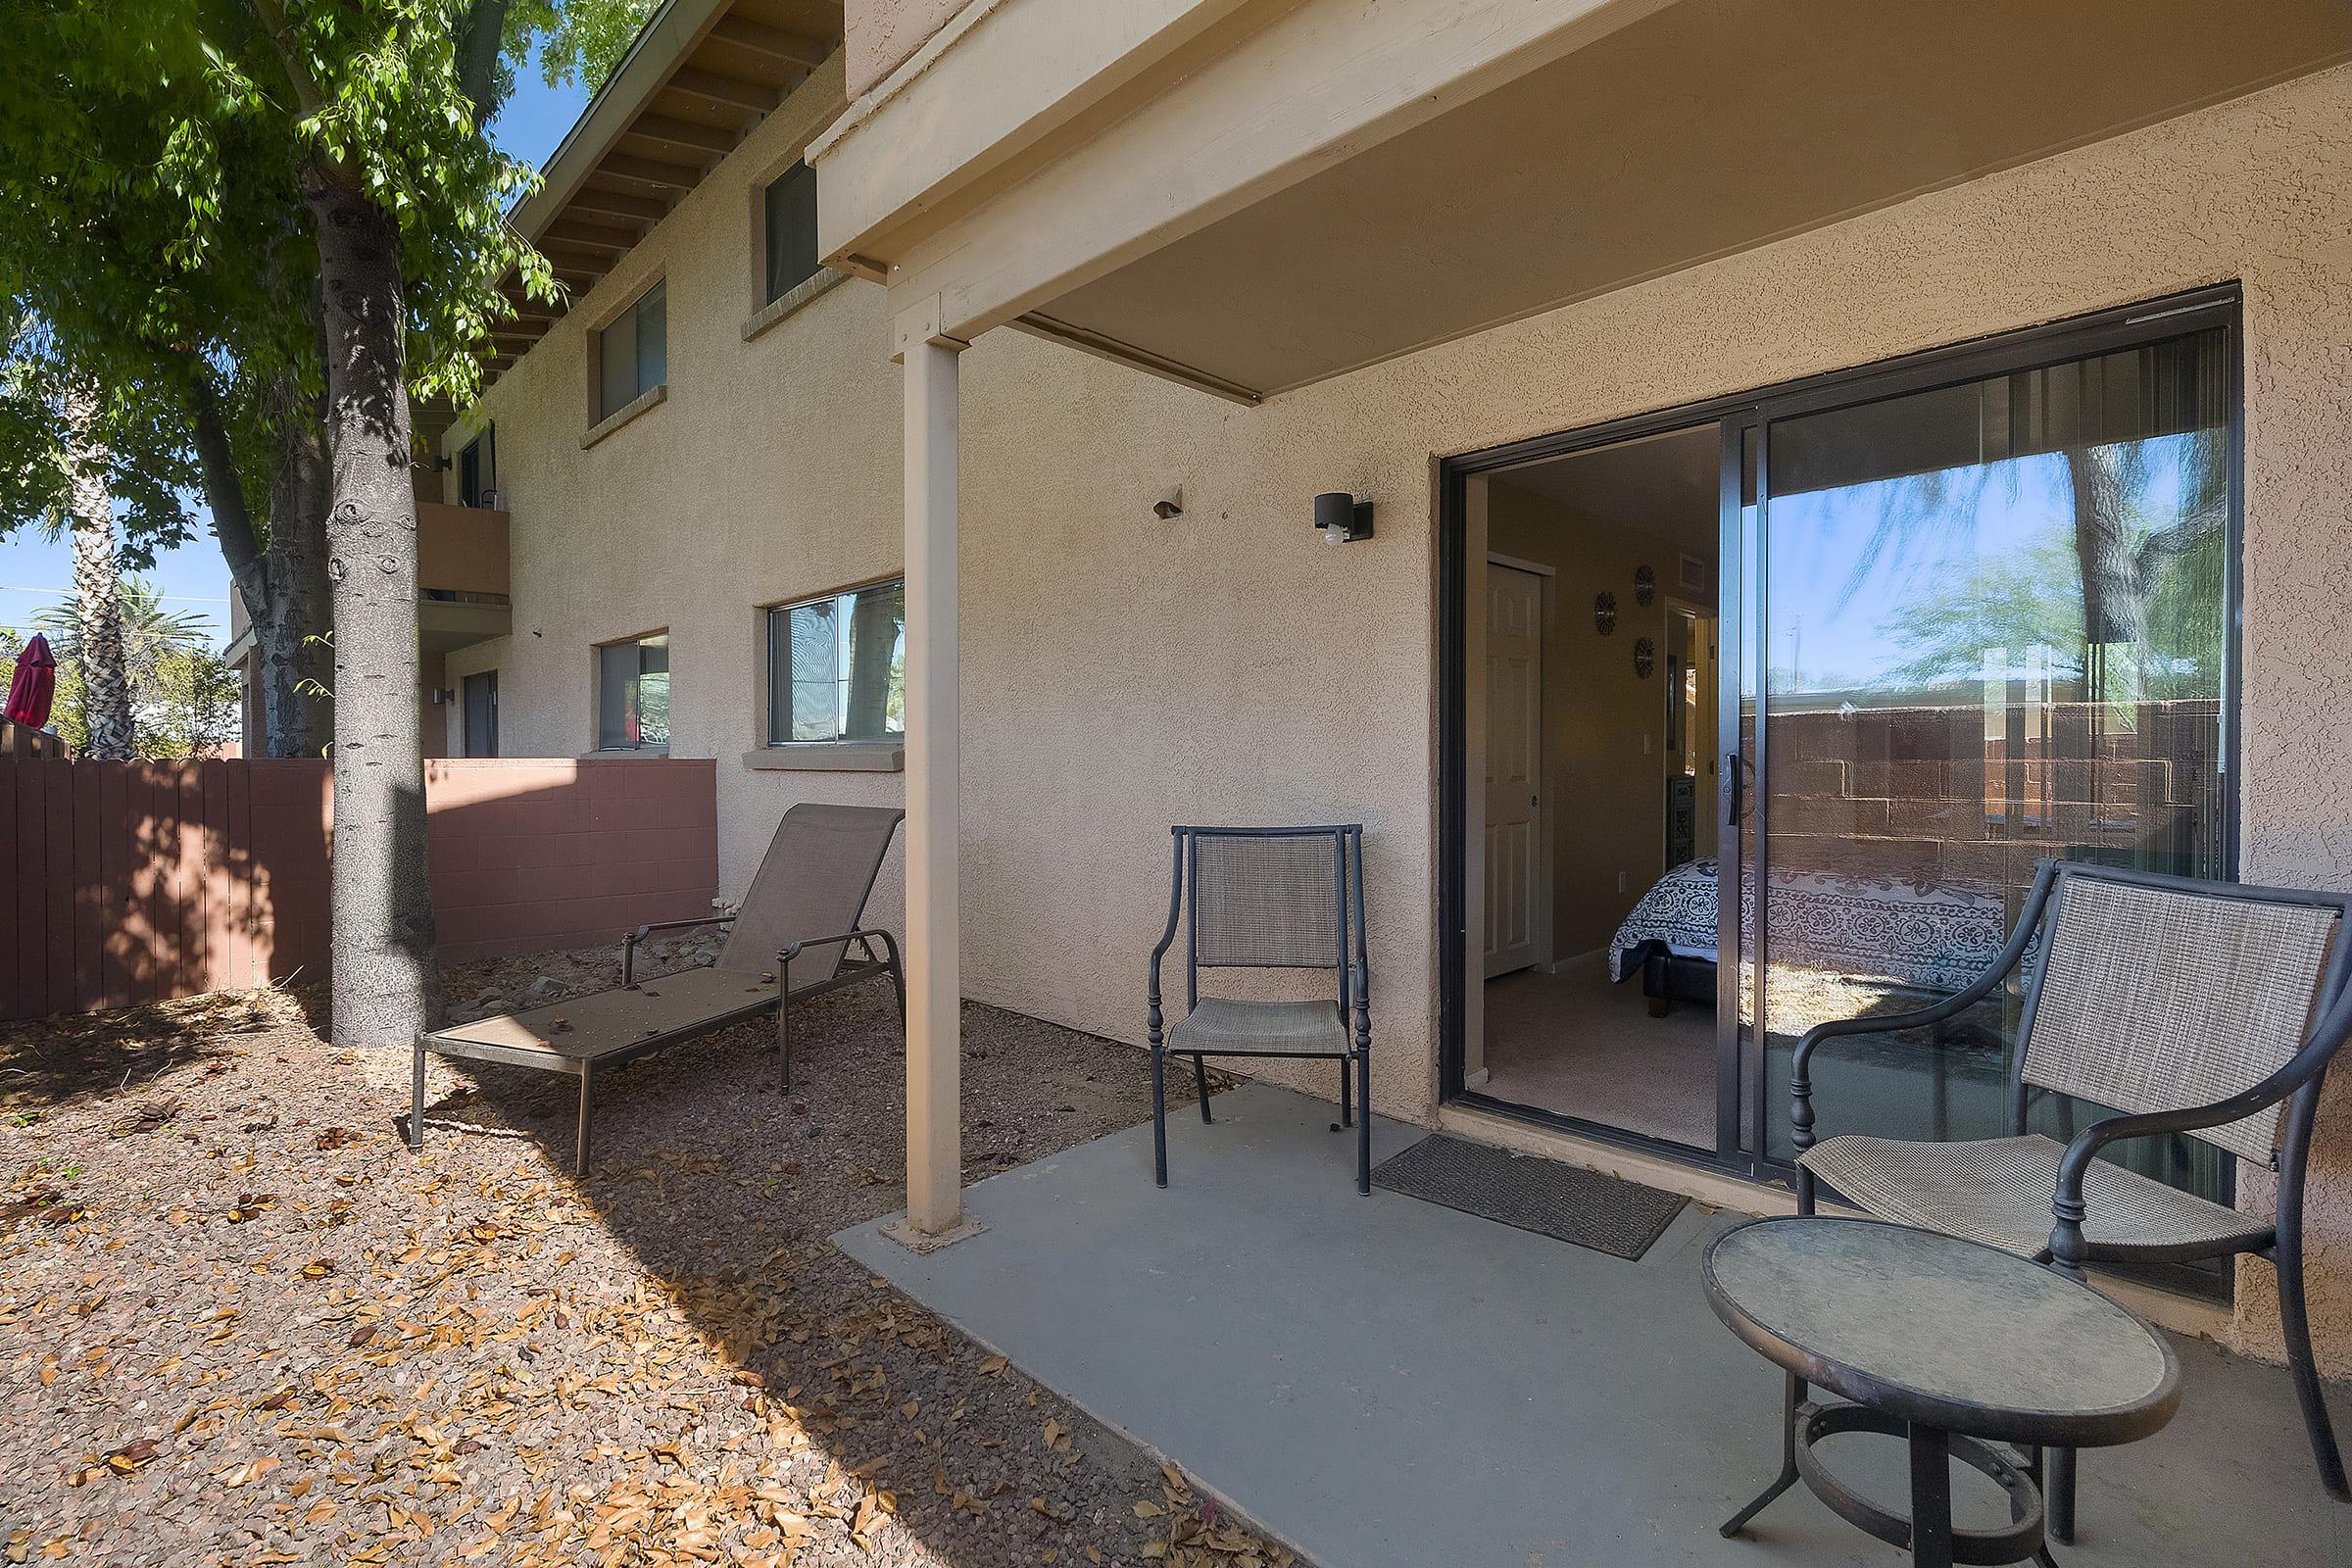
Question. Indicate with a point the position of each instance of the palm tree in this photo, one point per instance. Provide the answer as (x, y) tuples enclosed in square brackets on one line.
[(98, 628), (145, 632)]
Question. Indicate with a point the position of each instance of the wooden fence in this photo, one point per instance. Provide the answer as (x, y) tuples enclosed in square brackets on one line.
[(129, 882)]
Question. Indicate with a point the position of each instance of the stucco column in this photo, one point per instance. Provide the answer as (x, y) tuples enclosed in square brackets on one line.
[(934, 1152)]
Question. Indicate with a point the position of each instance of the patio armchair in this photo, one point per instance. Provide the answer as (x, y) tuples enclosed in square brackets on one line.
[(2209, 1009), (792, 938), (1267, 898)]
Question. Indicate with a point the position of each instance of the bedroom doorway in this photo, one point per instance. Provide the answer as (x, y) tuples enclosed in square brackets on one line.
[(1598, 757), (1829, 669)]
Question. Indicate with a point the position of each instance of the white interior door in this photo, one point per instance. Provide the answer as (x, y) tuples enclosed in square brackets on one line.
[(1517, 884)]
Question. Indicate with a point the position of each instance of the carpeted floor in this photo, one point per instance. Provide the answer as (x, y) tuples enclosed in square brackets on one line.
[(1578, 1046)]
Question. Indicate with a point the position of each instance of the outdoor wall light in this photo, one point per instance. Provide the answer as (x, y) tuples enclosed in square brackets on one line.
[(1170, 505), (1343, 517)]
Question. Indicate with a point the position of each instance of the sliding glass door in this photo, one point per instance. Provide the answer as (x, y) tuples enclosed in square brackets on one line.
[(1987, 622), (1976, 608)]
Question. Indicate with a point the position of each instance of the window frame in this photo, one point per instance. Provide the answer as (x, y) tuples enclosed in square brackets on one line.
[(773, 616), (629, 316), (799, 172), (481, 452), (596, 692)]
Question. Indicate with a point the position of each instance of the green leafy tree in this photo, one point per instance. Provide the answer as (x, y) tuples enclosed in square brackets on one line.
[(182, 700), (285, 217), (151, 254)]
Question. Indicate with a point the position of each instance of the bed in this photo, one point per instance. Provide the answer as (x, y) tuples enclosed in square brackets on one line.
[(1922, 936)]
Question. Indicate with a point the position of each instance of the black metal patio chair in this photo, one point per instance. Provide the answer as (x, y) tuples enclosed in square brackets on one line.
[(2209, 1009), (1267, 898)]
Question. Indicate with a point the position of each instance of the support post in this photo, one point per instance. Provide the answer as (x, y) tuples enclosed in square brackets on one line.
[(934, 1152)]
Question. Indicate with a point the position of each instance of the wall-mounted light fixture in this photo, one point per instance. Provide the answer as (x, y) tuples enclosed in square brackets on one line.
[(1343, 517), (1170, 505)]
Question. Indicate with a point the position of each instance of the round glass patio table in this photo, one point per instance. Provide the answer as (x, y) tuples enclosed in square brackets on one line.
[(1952, 1345)]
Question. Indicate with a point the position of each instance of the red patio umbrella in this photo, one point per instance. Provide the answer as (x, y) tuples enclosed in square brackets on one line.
[(34, 685)]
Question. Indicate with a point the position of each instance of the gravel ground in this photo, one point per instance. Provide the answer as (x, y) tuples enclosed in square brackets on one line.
[(239, 1323)]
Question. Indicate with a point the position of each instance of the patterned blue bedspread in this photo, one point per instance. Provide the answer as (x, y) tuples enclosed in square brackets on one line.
[(1932, 937)]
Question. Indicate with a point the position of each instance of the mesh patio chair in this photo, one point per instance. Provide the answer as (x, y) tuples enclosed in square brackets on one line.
[(2206, 1008), (1271, 898), (792, 939)]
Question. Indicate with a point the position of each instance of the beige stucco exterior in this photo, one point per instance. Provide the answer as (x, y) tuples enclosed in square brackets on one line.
[(881, 35), (1121, 673)]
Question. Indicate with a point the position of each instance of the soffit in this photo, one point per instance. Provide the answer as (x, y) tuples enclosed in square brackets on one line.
[(1705, 128), (701, 77)]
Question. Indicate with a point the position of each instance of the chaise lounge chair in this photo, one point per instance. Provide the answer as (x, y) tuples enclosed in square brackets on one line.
[(808, 899)]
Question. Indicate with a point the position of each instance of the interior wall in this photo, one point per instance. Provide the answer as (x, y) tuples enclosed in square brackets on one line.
[(1604, 724)]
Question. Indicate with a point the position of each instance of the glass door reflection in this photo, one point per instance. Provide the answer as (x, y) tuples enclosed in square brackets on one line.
[(1987, 622)]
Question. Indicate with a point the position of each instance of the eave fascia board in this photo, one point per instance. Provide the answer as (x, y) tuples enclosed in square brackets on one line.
[(946, 118), (671, 35)]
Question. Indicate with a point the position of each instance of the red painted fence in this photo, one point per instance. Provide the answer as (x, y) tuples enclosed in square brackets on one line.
[(127, 882)]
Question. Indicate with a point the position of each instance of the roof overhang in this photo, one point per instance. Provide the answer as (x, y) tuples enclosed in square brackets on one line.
[(1254, 195), (700, 76)]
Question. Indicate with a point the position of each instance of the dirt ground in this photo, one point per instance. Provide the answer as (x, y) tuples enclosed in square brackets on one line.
[(241, 1324)]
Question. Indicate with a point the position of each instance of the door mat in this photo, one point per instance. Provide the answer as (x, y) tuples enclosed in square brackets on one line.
[(1565, 1201)]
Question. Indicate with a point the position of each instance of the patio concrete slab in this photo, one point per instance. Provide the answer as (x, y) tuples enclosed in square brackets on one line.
[(1382, 1381)]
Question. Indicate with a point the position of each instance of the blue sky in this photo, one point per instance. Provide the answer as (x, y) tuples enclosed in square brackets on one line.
[(34, 573)]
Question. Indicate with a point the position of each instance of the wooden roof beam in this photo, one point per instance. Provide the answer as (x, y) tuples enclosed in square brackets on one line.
[(653, 172), (792, 48), (718, 88), (676, 132), (579, 232), (614, 204), (572, 259)]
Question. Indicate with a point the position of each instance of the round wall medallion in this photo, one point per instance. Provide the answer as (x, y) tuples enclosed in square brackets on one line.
[(1646, 656), (1645, 586), (1604, 612)]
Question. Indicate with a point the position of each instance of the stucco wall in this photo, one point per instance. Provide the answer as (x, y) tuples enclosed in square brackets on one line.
[(770, 473), (1121, 673), (879, 34)]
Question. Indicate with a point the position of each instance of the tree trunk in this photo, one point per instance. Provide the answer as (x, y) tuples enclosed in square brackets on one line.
[(386, 984), (292, 653), (105, 684), (283, 584)]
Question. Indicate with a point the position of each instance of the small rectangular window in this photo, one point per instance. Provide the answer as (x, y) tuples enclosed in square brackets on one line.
[(481, 714), (633, 353), (477, 469), (791, 231), (836, 667), (632, 694)]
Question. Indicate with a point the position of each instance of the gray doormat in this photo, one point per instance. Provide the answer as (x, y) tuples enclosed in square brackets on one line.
[(1566, 1202)]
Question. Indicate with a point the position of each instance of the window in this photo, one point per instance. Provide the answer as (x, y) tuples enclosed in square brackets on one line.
[(836, 667), (632, 694), (481, 714), (477, 469), (790, 206), (633, 353)]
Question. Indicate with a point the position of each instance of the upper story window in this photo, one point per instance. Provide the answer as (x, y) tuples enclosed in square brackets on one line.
[(632, 694), (836, 667), (790, 208), (477, 469), (633, 352)]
